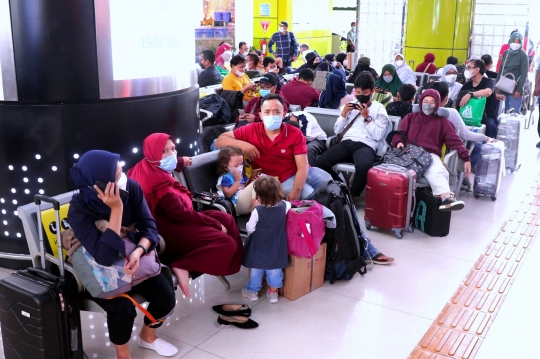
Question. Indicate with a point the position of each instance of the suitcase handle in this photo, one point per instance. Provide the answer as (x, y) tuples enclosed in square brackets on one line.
[(43, 274), (39, 197)]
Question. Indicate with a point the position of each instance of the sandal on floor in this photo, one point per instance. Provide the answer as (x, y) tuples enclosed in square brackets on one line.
[(232, 309), (377, 259), (237, 321)]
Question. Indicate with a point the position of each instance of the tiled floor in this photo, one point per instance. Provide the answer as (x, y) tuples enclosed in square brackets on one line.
[(380, 315)]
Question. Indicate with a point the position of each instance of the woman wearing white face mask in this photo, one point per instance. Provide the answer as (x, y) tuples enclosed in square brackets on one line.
[(449, 75), (514, 62), (404, 71)]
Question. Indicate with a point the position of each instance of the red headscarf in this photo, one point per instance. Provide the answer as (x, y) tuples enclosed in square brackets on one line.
[(154, 181), (427, 66), (220, 50)]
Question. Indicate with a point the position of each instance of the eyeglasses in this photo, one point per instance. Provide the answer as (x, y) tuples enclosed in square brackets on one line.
[(433, 103)]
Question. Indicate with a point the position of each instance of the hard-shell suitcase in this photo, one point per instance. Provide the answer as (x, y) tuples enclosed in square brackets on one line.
[(389, 198), (427, 216), (487, 176), (508, 132), (39, 311)]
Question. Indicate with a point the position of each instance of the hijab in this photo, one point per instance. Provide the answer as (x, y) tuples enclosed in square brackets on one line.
[(362, 66), (427, 66), (95, 165), (392, 86), (310, 59), (220, 50), (329, 58), (341, 57), (445, 71), (333, 92), (154, 181), (515, 35)]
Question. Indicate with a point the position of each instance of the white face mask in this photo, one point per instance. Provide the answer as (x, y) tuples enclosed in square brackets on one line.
[(122, 182), (236, 169), (345, 63), (450, 78), (515, 46), (468, 74), (399, 63), (281, 29), (239, 73), (334, 63)]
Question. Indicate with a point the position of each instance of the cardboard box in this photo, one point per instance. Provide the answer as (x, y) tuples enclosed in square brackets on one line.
[(304, 274)]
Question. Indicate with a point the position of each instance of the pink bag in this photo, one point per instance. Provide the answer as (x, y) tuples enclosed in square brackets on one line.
[(305, 228)]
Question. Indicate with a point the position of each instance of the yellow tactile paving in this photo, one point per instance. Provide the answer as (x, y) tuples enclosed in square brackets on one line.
[(463, 323)]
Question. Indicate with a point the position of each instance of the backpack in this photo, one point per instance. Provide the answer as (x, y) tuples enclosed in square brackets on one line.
[(346, 242), (461, 73)]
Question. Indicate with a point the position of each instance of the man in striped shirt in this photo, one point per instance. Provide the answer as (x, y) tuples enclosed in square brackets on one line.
[(286, 45)]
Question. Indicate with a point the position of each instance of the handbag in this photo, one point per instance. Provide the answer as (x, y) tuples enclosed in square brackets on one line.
[(473, 112), (305, 228), (410, 156), (506, 84), (110, 281), (337, 139)]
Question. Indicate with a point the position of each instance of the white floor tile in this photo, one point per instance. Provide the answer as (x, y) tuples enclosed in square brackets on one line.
[(200, 354), (321, 325)]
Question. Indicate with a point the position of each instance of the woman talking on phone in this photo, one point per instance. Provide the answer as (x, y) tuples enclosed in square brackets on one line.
[(197, 242)]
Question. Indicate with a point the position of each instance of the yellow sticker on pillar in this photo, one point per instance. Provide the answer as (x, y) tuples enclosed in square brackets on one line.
[(48, 219)]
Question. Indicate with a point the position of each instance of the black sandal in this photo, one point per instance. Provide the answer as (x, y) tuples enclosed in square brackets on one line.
[(232, 309), (237, 321)]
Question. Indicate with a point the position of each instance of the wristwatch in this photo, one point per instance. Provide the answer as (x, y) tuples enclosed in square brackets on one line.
[(145, 250), (471, 93), (368, 119)]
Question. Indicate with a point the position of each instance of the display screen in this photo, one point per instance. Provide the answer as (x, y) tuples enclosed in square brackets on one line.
[(144, 47)]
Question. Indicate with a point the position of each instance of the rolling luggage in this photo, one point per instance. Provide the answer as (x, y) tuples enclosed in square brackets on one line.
[(389, 198), (346, 242), (427, 216), (488, 172), (509, 126), (39, 311)]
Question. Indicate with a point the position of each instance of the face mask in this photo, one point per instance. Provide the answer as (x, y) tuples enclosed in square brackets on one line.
[(169, 163), (244, 54), (239, 73), (334, 63), (363, 98), (515, 46), (122, 182), (399, 63), (236, 169), (388, 79), (272, 122), (468, 74), (345, 63), (281, 29), (353, 28), (428, 109), (450, 78), (264, 92), (202, 66)]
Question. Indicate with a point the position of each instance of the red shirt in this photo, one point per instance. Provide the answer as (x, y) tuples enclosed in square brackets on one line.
[(501, 52), (277, 157), (298, 93)]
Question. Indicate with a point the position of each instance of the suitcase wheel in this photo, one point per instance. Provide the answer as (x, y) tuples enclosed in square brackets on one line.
[(493, 198), (476, 196), (410, 229), (399, 235)]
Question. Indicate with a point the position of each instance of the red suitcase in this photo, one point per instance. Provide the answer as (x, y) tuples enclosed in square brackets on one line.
[(390, 193)]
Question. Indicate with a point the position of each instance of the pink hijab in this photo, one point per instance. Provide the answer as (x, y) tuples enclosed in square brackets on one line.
[(220, 50)]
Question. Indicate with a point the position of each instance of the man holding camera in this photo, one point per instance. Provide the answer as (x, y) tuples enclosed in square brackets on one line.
[(362, 126)]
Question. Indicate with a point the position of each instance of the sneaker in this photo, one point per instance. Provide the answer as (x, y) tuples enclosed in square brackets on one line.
[(252, 296), (450, 203), (273, 296), (538, 145), (466, 184), (161, 347)]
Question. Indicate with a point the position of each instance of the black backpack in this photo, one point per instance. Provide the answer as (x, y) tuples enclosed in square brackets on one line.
[(346, 242), (461, 73)]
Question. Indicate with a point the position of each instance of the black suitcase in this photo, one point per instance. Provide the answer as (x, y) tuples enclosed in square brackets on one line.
[(427, 216), (39, 311)]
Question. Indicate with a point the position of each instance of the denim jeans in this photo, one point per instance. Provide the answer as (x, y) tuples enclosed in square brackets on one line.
[(316, 177), (511, 102), (274, 278), (491, 127)]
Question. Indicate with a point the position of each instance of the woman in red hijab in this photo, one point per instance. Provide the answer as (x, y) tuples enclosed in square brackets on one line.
[(219, 51), (205, 242), (428, 65)]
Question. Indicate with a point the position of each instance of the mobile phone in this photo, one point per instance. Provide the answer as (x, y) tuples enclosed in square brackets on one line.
[(102, 186), (256, 172), (356, 104)]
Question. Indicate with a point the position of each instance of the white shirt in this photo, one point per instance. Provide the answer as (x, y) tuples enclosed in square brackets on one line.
[(461, 128), (252, 223), (369, 133), (313, 130)]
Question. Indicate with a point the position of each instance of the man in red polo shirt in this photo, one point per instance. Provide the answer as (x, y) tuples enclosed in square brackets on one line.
[(277, 148), (300, 92)]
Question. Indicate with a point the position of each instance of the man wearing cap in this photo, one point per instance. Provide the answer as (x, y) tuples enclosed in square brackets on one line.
[(268, 85), (286, 45)]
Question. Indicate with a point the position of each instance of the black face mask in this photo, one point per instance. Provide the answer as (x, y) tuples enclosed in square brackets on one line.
[(363, 98), (202, 66)]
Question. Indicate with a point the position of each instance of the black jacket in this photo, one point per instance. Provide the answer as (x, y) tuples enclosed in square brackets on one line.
[(234, 99), (219, 108), (210, 76)]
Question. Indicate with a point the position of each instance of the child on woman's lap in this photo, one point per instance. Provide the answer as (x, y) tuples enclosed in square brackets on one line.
[(265, 250)]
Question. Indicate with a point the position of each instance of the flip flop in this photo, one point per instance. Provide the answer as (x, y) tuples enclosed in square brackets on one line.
[(376, 259), (232, 309), (237, 321)]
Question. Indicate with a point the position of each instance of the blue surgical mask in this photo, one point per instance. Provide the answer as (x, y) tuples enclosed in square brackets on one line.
[(264, 92), (388, 79), (169, 163), (272, 122)]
